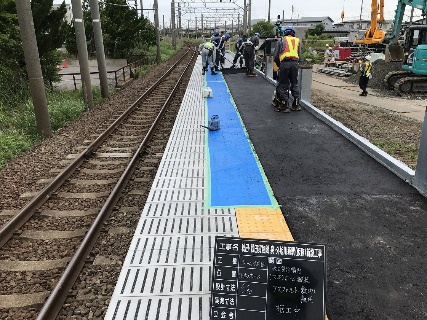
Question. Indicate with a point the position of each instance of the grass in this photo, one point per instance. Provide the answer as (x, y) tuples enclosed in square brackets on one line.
[(18, 131), (399, 149)]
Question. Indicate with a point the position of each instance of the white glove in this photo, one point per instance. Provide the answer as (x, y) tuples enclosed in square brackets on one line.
[(257, 47)]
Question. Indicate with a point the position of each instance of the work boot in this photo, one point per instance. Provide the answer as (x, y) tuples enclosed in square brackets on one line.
[(295, 105), (233, 66), (213, 72), (283, 107), (274, 100), (204, 71)]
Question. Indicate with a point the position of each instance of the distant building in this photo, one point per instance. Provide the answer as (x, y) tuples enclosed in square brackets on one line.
[(309, 22)]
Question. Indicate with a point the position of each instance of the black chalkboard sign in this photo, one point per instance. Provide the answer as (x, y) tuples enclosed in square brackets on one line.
[(256, 279)]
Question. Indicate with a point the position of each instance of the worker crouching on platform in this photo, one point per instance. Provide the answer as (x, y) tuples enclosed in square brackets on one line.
[(207, 57), (286, 56), (365, 75), (251, 45), (239, 53)]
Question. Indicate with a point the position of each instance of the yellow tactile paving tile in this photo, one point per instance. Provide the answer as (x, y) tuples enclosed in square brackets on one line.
[(262, 223)]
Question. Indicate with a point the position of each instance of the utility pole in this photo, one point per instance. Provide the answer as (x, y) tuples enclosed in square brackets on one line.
[(82, 52), (164, 28), (250, 17), (173, 24), (245, 18), (238, 21), (99, 45), (179, 16), (269, 8), (142, 8), (156, 20), (360, 19), (203, 28), (34, 70)]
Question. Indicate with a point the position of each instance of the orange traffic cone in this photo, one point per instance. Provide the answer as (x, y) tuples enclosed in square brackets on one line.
[(65, 64)]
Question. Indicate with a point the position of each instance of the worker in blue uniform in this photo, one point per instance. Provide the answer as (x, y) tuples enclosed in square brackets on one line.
[(220, 56), (239, 53), (287, 56), (216, 41), (251, 45)]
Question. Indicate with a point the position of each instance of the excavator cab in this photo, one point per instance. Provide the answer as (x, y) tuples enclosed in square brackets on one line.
[(415, 50)]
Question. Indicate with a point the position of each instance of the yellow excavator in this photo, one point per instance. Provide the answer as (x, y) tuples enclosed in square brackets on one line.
[(374, 35)]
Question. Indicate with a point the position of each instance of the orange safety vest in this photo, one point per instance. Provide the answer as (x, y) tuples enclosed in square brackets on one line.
[(291, 50)]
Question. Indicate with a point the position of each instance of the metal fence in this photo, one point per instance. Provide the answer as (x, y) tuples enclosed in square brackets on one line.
[(116, 78)]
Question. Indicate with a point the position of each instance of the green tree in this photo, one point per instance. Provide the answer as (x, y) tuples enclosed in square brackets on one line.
[(122, 30), (13, 85), (50, 33), (264, 28), (317, 30)]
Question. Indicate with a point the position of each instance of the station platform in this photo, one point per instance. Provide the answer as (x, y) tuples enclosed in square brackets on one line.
[(276, 176)]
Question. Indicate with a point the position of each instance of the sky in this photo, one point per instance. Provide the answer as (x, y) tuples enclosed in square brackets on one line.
[(304, 8)]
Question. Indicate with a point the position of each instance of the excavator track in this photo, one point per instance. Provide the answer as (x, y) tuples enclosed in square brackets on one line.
[(417, 84), (392, 77)]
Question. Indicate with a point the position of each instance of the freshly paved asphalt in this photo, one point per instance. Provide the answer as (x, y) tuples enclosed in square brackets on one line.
[(373, 223)]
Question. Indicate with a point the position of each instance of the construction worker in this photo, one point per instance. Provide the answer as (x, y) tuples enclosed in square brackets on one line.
[(327, 55), (239, 53), (207, 57), (220, 56), (216, 41), (251, 45), (365, 75), (286, 56)]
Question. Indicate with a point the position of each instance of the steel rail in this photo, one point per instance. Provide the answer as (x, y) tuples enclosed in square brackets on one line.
[(59, 294), (7, 231)]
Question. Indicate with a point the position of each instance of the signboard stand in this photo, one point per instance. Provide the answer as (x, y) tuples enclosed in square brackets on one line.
[(268, 280)]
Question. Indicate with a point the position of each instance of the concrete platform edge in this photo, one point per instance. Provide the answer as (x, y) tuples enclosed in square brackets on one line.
[(391, 163)]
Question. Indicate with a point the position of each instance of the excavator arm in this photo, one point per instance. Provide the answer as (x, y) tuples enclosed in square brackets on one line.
[(394, 51), (397, 23), (374, 34)]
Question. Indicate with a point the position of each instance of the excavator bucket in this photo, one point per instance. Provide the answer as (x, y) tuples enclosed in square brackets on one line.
[(393, 52)]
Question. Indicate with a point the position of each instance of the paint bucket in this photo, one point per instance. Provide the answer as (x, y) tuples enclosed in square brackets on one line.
[(214, 123), (207, 93)]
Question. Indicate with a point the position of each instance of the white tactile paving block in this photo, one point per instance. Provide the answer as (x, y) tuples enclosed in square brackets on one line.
[(167, 271)]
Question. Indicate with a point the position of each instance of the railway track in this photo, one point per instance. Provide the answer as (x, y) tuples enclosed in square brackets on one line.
[(46, 244)]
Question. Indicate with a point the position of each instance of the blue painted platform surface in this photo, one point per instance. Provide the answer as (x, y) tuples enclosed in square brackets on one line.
[(236, 176)]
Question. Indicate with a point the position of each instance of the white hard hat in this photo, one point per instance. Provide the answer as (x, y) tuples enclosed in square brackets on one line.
[(368, 58), (327, 45)]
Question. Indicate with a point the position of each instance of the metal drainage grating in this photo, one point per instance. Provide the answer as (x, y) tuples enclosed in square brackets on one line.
[(195, 307), (165, 280), (187, 225), (167, 271), (176, 209)]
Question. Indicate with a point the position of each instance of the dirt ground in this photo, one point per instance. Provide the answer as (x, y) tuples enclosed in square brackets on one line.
[(394, 133)]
